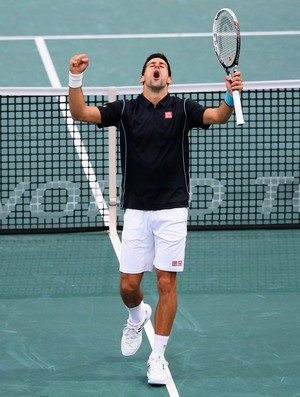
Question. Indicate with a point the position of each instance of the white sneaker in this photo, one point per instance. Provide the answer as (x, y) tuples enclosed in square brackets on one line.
[(132, 334), (156, 370)]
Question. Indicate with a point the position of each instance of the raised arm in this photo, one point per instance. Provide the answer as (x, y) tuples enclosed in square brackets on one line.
[(222, 114), (78, 108)]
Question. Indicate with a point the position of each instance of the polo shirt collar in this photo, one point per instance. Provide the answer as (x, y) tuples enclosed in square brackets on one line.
[(163, 102)]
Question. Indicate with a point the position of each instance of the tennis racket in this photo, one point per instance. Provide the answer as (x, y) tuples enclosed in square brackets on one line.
[(227, 43)]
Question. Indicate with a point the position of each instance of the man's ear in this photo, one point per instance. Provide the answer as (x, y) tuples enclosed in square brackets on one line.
[(142, 79), (169, 81)]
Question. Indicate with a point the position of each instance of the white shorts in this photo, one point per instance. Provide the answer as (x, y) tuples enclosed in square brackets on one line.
[(153, 238)]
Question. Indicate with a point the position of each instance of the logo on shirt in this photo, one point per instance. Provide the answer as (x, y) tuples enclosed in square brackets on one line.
[(168, 115)]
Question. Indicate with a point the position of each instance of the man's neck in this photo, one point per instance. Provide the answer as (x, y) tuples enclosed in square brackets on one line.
[(155, 96)]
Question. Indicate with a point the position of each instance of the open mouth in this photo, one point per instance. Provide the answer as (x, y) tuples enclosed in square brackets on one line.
[(156, 74)]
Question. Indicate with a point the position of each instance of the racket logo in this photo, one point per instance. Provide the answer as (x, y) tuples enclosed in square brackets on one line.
[(168, 115)]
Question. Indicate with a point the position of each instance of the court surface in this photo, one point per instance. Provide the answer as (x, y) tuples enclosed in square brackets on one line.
[(237, 330)]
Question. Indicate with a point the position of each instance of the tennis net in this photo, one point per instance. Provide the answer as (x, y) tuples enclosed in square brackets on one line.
[(55, 173)]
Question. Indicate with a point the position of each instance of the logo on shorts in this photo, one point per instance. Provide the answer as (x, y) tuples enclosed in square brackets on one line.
[(176, 263), (168, 115)]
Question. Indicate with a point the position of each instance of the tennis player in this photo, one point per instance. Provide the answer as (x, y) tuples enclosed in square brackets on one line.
[(155, 195)]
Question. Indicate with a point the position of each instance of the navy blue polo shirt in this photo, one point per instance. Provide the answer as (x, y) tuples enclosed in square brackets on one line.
[(154, 149)]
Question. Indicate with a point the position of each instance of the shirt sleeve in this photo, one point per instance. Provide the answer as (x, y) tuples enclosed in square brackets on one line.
[(195, 113), (111, 114)]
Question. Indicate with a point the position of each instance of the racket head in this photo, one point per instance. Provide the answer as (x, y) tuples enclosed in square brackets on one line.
[(226, 38)]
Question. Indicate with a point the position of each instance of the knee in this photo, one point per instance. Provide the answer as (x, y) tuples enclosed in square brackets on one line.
[(126, 288), (129, 285), (166, 283)]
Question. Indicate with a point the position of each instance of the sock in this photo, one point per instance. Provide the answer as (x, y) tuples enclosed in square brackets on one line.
[(160, 344), (136, 314)]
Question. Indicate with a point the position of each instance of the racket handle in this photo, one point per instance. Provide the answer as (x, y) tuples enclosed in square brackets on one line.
[(238, 108)]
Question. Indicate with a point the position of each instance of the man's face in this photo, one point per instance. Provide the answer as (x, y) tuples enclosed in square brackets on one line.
[(156, 74)]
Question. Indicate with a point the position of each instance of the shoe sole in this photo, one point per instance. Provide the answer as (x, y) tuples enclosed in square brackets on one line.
[(157, 383)]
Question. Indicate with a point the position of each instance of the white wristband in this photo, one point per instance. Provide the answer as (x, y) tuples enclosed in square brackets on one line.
[(75, 80)]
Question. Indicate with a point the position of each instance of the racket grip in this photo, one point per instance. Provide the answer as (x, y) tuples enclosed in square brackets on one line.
[(238, 108)]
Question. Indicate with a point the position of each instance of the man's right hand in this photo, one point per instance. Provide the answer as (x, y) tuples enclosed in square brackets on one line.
[(78, 63)]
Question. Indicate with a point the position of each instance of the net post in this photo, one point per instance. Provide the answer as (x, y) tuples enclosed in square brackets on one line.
[(112, 170)]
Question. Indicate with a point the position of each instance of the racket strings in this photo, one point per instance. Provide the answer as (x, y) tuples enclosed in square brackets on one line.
[(227, 39)]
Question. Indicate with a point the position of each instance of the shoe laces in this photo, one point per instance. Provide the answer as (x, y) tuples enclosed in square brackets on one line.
[(158, 360), (130, 330)]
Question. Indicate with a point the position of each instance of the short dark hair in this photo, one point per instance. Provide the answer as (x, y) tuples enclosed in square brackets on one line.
[(157, 55)]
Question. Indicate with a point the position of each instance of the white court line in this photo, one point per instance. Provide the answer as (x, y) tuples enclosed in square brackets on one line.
[(143, 36), (75, 134), (91, 176), (78, 143)]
